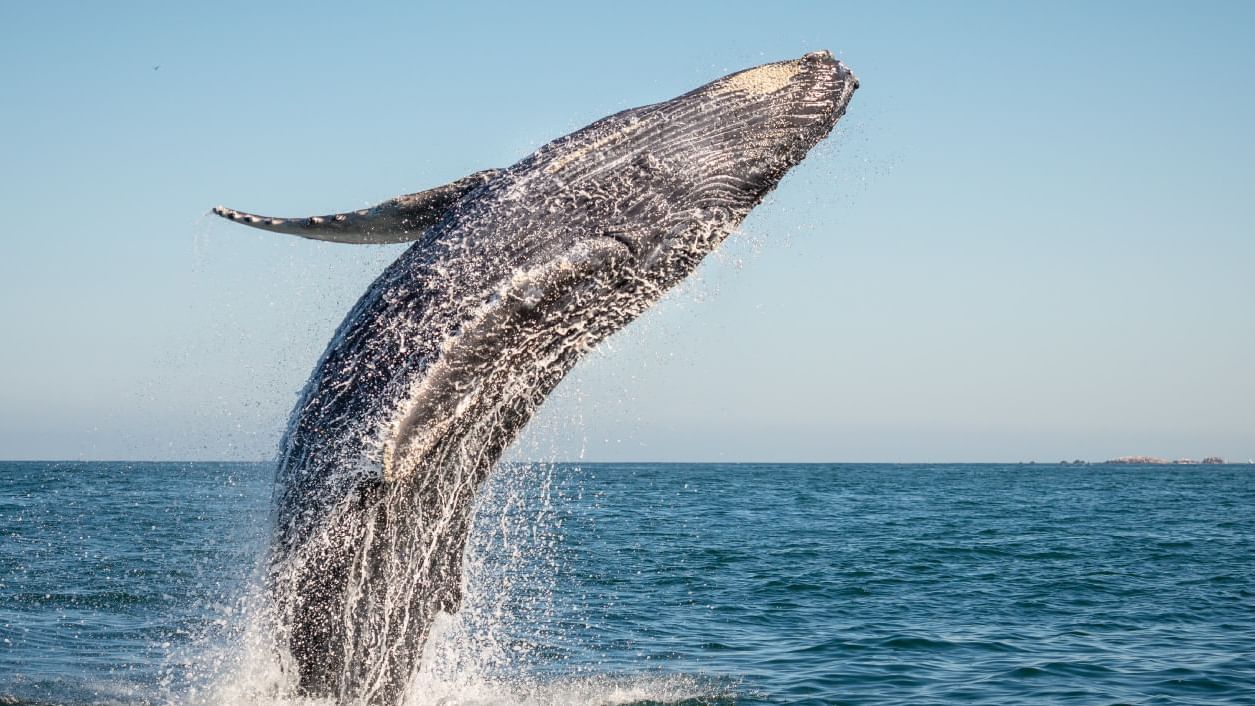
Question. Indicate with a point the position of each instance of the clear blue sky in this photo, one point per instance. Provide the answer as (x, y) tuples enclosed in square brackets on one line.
[(1032, 237)]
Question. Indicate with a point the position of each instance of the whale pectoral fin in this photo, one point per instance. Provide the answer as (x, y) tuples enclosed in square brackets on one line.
[(397, 220)]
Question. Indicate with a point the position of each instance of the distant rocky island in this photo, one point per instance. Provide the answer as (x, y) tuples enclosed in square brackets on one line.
[(1150, 461), (1156, 461)]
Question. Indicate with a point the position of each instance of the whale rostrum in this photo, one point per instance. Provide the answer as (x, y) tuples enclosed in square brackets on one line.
[(516, 274)]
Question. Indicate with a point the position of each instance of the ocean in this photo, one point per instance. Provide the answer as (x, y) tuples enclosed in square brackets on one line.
[(132, 583)]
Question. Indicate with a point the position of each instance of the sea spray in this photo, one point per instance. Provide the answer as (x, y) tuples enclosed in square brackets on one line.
[(486, 648), (511, 567)]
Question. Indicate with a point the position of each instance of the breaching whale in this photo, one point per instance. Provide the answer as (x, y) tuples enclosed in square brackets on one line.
[(513, 276)]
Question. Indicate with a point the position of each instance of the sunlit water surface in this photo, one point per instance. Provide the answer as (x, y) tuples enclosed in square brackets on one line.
[(125, 583)]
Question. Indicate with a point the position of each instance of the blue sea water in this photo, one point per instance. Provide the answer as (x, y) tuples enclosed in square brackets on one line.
[(128, 583)]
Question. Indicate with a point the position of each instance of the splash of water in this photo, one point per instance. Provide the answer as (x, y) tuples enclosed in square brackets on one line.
[(492, 652)]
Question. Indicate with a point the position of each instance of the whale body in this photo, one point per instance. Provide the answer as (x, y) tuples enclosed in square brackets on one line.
[(513, 276)]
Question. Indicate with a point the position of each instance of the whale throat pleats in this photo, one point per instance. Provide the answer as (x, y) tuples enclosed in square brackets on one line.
[(398, 220)]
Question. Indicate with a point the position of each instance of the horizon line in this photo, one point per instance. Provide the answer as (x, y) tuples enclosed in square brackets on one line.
[(1075, 462)]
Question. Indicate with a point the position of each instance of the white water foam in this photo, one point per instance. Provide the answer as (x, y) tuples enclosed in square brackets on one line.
[(489, 653)]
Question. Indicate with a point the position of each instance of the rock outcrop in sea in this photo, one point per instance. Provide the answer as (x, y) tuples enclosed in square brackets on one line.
[(1156, 461)]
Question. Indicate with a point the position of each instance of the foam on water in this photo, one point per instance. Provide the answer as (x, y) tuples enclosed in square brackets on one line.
[(487, 654)]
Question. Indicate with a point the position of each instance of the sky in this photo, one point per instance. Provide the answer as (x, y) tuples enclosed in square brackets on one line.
[(1032, 237)]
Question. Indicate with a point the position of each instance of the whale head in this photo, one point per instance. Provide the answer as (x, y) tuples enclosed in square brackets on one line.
[(669, 181)]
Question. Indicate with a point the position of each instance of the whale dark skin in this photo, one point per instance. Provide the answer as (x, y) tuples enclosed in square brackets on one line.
[(513, 276)]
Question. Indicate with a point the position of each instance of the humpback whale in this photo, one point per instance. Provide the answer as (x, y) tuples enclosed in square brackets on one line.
[(513, 276)]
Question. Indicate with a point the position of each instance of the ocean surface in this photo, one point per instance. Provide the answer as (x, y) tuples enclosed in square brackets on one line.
[(131, 583)]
